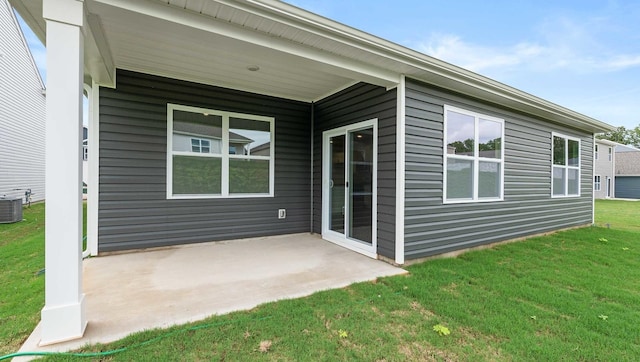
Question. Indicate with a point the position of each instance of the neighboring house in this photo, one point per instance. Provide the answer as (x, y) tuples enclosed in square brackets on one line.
[(376, 147), (604, 158), (627, 172), (22, 113)]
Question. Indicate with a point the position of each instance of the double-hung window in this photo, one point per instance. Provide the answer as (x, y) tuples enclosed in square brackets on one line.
[(597, 186), (565, 166), (213, 153), (595, 156), (610, 154), (473, 156)]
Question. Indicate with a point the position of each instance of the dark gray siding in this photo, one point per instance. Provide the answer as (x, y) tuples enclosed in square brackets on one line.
[(432, 227), (627, 187), (358, 103), (134, 211)]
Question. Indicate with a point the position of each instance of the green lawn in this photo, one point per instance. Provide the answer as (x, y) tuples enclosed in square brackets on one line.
[(572, 295), (618, 214)]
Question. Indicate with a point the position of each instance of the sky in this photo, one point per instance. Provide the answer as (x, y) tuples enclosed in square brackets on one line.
[(581, 54)]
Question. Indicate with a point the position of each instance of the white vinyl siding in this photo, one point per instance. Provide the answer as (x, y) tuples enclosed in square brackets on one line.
[(22, 114)]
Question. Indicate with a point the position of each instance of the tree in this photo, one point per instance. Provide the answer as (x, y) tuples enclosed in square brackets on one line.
[(634, 137), (620, 135)]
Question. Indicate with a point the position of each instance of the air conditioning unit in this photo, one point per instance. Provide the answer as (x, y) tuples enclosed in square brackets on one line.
[(10, 210)]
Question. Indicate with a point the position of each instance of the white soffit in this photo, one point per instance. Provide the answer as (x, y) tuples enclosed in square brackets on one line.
[(152, 37)]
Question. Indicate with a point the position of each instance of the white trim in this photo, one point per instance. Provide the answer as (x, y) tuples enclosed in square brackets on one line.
[(63, 317), (224, 155), (93, 186), (25, 44), (330, 235), (597, 183), (400, 168), (476, 158), (567, 167)]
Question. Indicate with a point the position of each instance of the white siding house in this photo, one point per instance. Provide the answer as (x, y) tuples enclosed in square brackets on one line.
[(604, 158), (22, 113)]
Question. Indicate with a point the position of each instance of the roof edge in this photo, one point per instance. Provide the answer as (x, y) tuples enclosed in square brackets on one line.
[(330, 28)]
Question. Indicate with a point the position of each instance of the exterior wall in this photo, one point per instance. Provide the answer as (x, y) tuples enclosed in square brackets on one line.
[(22, 113), (604, 168), (628, 187), (628, 163), (361, 102), (628, 175), (133, 209), (432, 227)]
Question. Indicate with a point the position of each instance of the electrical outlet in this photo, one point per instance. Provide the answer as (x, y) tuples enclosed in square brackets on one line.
[(282, 213)]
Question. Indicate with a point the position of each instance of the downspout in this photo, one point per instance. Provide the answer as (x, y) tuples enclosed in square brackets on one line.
[(593, 175), (400, 167), (311, 172)]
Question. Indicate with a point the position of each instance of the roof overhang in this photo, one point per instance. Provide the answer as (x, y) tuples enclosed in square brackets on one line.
[(300, 55)]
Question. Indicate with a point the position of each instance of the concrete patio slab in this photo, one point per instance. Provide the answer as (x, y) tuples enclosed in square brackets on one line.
[(131, 292)]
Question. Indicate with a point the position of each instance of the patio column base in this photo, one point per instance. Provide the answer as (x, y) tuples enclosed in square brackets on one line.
[(63, 323)]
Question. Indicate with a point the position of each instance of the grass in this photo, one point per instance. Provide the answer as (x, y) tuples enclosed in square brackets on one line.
[(21, 277), (21, 285), (571, 295), (618, 214)]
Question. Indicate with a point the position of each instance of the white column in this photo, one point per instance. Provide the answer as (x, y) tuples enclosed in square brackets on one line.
[(63, 314), (93, 168)]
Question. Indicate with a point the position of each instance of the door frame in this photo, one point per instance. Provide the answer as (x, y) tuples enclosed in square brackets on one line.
[(343, 240)]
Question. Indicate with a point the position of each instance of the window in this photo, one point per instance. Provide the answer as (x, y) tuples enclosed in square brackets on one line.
[(595, 156), (199, 145), (473, 156), (214, 153), (610, 154), (566, 166), (596, 183)]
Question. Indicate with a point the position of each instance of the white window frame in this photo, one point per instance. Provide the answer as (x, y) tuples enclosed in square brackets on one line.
[(597, 183), (610, 154), (200, 141), (225, 156), (567, 167), (595, 156), (475, 158)]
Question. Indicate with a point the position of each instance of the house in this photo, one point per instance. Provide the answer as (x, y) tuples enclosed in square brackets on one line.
[(22, 114), (627, 172), (376, 147), (604, 158)]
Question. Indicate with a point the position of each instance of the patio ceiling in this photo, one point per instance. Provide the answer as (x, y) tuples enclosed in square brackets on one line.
[(300, 55)]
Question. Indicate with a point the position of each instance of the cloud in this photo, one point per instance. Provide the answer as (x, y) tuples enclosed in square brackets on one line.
[(475, 57), (558, 45)]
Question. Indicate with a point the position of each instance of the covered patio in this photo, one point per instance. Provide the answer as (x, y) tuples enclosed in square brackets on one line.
[(131, 292)]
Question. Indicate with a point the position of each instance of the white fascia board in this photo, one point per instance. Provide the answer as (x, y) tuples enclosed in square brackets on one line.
[(479, 85), (364, 72), (32, 17), (26, 45)]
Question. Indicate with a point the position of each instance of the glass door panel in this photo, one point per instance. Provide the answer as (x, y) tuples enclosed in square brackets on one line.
[(360, 185), (337, 184)]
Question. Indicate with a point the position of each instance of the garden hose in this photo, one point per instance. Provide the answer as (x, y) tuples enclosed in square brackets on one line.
[(118, 350)]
